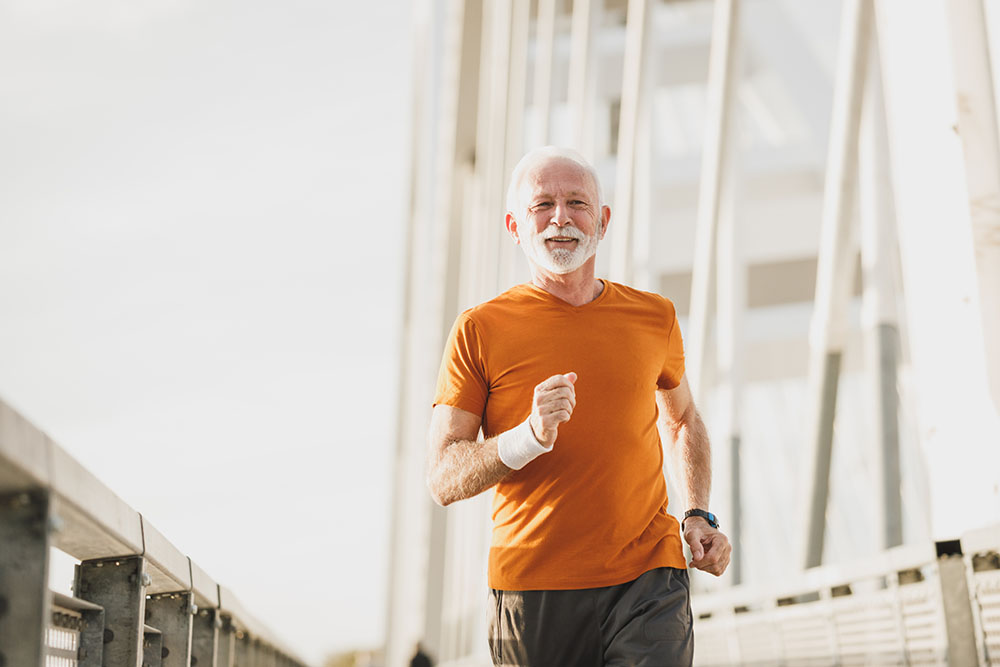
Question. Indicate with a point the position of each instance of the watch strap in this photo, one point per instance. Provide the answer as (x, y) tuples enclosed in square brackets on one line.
[(712, 520)]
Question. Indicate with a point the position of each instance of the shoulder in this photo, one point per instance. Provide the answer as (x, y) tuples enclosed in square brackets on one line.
[(642, 298), (499, 307)]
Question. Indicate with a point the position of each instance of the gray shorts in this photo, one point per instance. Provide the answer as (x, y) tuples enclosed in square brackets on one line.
[(643, 623)]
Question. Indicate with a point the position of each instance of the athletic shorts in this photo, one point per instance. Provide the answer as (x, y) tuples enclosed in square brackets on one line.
[(642, 623)]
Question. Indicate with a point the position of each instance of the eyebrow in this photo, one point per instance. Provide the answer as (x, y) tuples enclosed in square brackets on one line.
[(571, 193)]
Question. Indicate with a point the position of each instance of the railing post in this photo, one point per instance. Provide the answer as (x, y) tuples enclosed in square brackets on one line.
[(118, 585), (91, 653), (242, 653), (256, 653), (227, 643), (173, 614), (957, 606), (152, 647), (25, 604), (205, 639)]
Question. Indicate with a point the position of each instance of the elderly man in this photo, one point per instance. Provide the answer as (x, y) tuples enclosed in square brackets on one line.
[(567, 376)]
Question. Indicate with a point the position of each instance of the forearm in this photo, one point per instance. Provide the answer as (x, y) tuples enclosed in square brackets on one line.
[(463, 469), (459, 467), (692, 457)]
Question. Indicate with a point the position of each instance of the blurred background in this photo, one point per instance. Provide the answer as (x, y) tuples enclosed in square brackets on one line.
[(201, 214), (233, 238), (816, 186)]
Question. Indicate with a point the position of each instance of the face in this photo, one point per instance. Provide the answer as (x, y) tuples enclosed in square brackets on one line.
[(561, 220)]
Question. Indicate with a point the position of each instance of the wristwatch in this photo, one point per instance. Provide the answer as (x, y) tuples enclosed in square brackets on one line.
[(707, 516)]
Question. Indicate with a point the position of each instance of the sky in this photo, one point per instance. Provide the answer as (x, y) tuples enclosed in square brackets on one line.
[(201, 219)]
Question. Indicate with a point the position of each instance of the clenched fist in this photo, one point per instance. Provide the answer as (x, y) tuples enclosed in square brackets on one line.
[(551, 406)]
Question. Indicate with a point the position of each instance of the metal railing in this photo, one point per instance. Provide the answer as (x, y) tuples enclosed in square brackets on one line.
[(930, 604), (137, 600)]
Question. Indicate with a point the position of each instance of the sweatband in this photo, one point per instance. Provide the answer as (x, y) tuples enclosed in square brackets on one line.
[(518, 446)]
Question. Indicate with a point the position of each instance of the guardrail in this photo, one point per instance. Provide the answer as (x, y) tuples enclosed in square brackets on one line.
[(138, 601), (930, 604)]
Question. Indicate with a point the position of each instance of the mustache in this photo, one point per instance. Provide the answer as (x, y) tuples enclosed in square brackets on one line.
[(564, 232)]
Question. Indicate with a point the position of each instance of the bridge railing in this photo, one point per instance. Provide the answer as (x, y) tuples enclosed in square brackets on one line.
[(931, 604), (137, 600)]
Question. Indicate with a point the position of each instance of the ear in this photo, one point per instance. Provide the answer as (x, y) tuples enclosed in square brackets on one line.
[(512, 227), (605, 219)]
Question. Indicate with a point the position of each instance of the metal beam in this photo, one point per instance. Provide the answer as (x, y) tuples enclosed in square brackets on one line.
[(152, 647), (636, 49), (835, 265), (545, 37), (244, 650), (879, 265), (517, 85), (205, 639), (581, 84), (119, 585), (492, 143), (731, 297), (403, 625), (169, 569), (943, 327), (457, 131), (953, 578), (227, 643), (173, 615), (722, 79), (644, 183), (977, 127), (25, 603)]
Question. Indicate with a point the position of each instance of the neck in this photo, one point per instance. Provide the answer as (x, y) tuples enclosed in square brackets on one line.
[(577, 288)]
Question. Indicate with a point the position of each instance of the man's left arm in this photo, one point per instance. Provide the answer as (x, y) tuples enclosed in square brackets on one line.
[(692, 465)]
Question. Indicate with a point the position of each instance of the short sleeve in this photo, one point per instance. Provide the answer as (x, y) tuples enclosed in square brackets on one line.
[(673, 362), (462, 381)]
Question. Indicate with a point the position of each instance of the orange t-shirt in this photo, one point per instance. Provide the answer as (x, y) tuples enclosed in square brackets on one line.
[(593, 511)]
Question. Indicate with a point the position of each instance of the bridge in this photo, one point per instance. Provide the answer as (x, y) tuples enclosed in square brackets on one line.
[(137, 600), (921, 604), (814, 183), (815, 186)]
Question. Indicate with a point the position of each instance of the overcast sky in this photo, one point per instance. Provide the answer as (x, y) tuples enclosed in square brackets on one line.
[(200, 247)]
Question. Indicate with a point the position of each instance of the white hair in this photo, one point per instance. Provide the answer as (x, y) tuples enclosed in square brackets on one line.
[(537, 155)]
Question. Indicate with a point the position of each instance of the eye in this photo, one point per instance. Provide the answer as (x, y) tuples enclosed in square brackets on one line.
[(541, 205)]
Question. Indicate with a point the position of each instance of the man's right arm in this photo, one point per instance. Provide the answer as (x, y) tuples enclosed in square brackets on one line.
[(459, 467)]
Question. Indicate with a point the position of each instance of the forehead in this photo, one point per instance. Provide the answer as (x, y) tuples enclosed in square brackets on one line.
[(555, 176)]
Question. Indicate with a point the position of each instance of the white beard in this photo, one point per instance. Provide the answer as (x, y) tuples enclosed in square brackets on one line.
[(560, 260)]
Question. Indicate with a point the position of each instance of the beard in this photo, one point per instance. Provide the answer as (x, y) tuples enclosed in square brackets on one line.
[(561, 260)]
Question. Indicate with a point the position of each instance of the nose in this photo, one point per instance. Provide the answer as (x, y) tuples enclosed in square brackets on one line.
[(560, 215)]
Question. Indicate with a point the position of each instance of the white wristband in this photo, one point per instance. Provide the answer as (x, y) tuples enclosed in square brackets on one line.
[(518, 446)]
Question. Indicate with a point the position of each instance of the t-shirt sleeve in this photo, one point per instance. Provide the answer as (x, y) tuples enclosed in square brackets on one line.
[(673, 362), (462, 381)]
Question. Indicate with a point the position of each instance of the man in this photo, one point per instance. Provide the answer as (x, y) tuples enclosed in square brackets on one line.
[(567, 376)]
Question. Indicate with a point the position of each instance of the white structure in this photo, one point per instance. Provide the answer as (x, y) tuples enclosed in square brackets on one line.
[(797, 177)]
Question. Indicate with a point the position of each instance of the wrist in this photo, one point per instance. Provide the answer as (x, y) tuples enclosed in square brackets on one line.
[(702, 515), (694, 519), (519, 446)]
